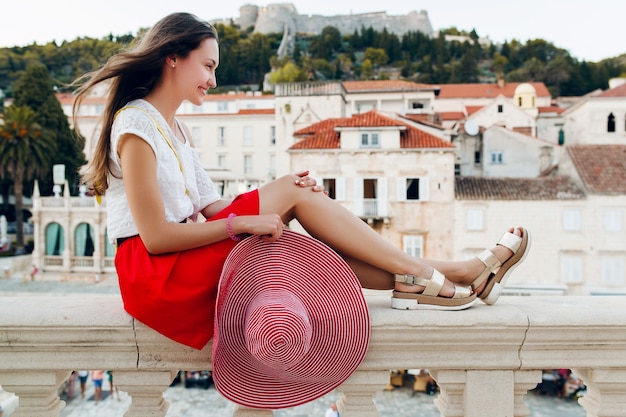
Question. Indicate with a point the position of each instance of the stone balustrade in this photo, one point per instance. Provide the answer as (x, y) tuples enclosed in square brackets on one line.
[(484, 359)]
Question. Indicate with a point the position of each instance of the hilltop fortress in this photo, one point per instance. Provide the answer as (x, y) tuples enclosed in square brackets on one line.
[(284, 18)]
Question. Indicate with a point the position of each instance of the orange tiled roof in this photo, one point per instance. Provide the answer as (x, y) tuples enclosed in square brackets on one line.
[(551, 109), (472, 109), (601, 167), (543, 188), (619, 91), (383, 85), (326, 135), (487, 90), (257, 111)]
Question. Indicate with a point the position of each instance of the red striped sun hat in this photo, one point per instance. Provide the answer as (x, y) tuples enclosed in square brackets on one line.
[(291, 322)]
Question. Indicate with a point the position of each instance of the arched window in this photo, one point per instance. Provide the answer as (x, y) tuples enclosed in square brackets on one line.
[(109, 250), (83, 237), (55, 239), (611, 123)]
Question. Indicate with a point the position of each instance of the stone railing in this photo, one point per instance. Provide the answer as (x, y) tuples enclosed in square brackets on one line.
[(484, 359)]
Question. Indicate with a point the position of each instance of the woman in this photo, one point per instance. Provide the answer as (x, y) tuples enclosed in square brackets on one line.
[(168, 264)]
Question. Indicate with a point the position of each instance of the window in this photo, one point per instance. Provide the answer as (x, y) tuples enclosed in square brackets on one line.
[(501, 107), (413, 245), (610, 123), (83, 240), (222, 106), (413, 189), (247, 164), (417, 105), (330, 187), (497, 157), (474, 219), (572, 269), (477, 157), (519, 102), (221, 161), (272, 135), (247, 136), (613, 271), (336, 188), (572, 220), (221, 136), (55, 239), (613, 220), (369, 140)]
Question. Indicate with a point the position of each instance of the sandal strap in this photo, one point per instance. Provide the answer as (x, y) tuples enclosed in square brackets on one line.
[(411, 279), (435, 284), (461, 292), (432, 286), (510, 241), (492, 264)]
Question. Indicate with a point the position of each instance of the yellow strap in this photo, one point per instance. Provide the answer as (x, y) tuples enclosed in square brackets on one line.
[(162, 132)]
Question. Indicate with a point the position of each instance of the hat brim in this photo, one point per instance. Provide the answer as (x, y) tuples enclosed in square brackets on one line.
[(333, 299)]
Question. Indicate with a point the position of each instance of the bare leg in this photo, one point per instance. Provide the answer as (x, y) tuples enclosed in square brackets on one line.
[(373, 259)]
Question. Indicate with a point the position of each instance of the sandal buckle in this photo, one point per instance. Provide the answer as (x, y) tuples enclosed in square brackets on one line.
[(407, 279)]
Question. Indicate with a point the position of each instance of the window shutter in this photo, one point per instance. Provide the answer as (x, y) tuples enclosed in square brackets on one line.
[(402, 189), (424, 189), (382, 197), (340, 189), (358, 196)]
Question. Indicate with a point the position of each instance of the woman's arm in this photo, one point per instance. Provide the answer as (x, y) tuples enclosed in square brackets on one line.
[(147, 208)]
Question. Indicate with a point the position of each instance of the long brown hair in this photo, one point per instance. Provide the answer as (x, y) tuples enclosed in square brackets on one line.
[(132, 74)]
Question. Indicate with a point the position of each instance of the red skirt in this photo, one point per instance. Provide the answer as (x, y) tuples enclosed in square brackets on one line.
[(175, 293)]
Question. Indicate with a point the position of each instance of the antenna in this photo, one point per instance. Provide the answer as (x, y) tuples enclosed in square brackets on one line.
[(471, 128)]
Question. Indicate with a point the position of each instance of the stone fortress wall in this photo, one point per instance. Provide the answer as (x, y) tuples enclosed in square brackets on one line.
[(284, 18)]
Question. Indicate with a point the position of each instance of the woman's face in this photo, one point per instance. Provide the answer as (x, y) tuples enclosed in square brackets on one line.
[(196, 72)]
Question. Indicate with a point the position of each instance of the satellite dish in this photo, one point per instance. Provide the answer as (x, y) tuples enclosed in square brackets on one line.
[(471, 128)]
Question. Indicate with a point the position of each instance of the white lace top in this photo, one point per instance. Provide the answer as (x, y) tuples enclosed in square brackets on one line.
[(184, 196)]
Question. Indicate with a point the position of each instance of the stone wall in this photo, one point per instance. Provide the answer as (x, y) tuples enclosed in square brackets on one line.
[(274, 17)]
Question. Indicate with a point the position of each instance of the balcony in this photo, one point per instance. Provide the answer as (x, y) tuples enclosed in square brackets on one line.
[(484, 359)]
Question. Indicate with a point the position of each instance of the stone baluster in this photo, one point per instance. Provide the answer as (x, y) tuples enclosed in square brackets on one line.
[(37, 391), (475, 393), (606, 390), (241, 411), (524, 381), (358, 393), (146, 390)]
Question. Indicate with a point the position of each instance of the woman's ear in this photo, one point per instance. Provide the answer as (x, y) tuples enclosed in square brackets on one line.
[(171, 61)]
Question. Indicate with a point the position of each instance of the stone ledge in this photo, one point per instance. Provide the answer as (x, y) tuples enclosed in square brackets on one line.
[(518, 333)]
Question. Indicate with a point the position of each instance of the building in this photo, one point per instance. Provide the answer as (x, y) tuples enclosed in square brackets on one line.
[(419, 163)]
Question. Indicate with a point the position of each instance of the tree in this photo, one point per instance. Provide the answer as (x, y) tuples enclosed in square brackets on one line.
[(35, 90), (289, 73), (25, 151)]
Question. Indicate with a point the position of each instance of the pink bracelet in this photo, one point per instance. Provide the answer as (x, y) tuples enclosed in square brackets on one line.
[(229, 228)]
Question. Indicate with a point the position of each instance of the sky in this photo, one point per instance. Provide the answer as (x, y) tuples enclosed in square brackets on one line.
[(589, 30)]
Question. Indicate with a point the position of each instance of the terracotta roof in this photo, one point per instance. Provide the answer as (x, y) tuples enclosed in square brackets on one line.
[(487, 90), (472, 109), (326, 134), (619, 91), (384, 85), (257, 111), (451, 115), (601, 167), (551, 109), (545, 188)]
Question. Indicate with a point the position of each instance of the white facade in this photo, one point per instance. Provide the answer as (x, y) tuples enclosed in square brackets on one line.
[(243, 140)]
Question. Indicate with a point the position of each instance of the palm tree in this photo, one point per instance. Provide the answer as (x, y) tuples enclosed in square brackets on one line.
[(25, 151)]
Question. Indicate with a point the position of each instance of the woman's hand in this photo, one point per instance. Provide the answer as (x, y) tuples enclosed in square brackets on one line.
[(306, 181), (269, 226)]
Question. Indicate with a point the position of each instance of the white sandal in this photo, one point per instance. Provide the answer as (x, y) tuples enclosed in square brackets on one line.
[(429, 298), (496, 273)]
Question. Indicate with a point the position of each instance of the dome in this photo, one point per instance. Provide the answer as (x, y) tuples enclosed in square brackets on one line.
[(524, 89), (525, 96)]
